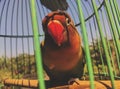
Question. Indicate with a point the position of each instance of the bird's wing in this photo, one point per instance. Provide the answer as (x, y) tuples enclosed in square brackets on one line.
[(47, 70)]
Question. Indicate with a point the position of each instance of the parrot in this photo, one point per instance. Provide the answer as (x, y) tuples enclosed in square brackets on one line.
[(62, 51), (54, 5)]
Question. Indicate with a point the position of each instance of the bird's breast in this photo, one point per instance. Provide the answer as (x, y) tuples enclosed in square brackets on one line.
[(62, 60)]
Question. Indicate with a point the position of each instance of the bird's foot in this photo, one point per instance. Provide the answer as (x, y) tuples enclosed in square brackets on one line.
[(74, 80)]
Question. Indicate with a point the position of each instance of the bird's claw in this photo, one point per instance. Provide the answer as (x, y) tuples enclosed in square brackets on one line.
[(74, 80)]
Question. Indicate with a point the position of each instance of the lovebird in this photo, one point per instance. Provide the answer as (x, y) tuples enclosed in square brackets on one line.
[(62, 52)]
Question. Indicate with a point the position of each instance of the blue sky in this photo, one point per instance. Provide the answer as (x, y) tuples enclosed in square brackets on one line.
[(15, 20)]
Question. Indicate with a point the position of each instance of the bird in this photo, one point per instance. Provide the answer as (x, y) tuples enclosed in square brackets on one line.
[(62, 51), (54, 5)]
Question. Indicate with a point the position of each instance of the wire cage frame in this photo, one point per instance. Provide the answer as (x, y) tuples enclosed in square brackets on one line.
[(97, 21)]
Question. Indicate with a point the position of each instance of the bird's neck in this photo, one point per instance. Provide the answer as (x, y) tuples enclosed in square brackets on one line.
[(49, 42)]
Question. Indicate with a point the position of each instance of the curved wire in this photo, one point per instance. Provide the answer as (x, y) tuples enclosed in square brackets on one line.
[(86, 19), (2, 14)]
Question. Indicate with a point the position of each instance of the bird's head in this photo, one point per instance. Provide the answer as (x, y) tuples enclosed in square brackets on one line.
[(56, 25)]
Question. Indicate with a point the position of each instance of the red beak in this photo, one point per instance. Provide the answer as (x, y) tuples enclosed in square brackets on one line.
[(56, 29)]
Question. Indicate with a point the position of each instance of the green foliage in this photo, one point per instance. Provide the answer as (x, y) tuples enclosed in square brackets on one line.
[(18, 67), (99, 58)]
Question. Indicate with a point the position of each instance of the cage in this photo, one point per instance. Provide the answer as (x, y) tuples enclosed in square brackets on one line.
[(97, 21)]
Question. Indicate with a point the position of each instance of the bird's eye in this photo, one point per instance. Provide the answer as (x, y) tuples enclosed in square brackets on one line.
[(67, 21)]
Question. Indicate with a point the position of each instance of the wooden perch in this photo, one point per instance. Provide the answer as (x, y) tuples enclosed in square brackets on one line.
[(83, 84), (21, 82)]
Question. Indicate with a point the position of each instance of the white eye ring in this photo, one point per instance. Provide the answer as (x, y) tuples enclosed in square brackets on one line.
[(67, 21)]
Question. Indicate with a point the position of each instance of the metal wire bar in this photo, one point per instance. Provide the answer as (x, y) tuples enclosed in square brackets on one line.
[(114, 43), (91, 33), (94, 49), (112, 24), (104, 43), (115, 36), (18, 36), (11, 48), (2, 13), (101, 57), (115, 16), (91, 14), (37, 46), (6, 31), (16, 40), (90, 30), (88, 58), (72, 14), (99, 49), (117, 19), (108, 43), (22, 23), (117, 9), (26, 6), (33, 33), (116, 53), (98, 44)]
